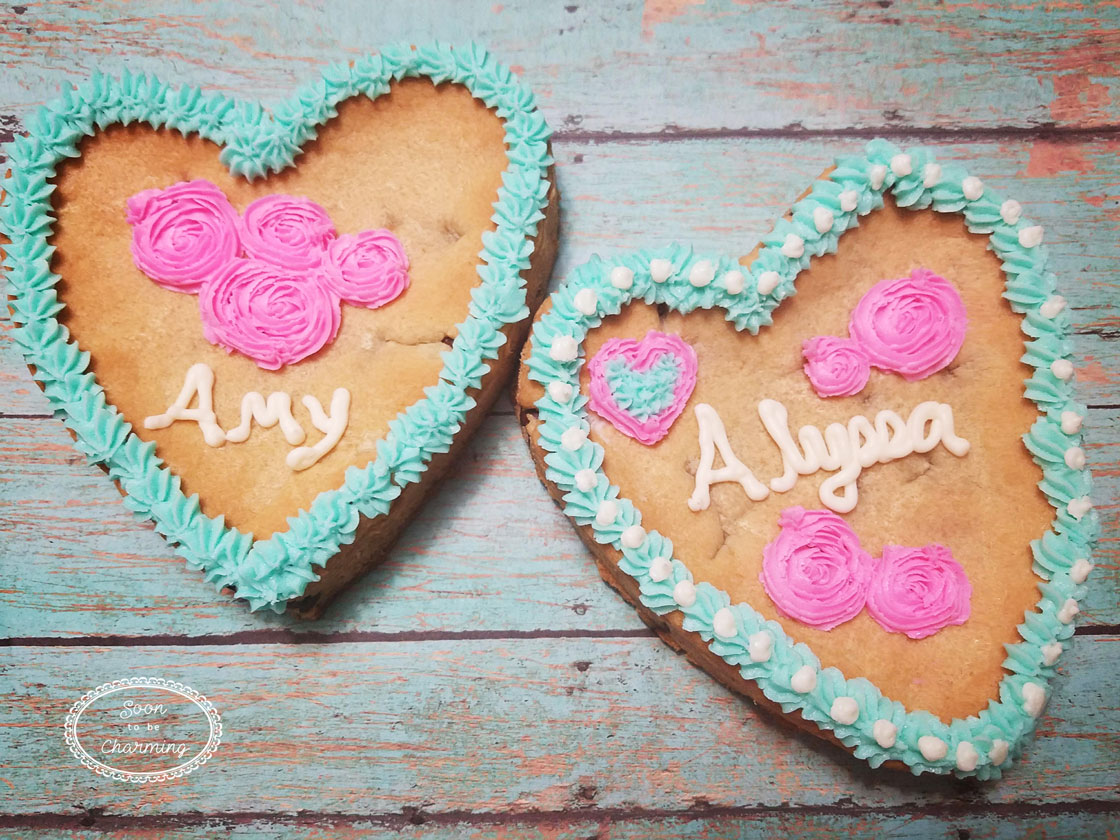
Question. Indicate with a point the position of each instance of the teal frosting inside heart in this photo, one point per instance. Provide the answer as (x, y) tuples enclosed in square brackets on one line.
[(644, 393), (268, 573), (983, 745)]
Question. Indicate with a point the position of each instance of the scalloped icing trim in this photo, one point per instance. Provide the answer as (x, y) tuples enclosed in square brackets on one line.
[(255, 142), (788, 673)]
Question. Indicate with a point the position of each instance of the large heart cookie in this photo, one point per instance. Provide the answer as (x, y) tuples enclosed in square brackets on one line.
[(844, 523), (275, 330)]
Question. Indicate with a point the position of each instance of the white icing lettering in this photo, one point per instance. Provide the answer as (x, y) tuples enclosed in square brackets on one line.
[(845, 450), (713, 437), (199, 382), (265, 412)]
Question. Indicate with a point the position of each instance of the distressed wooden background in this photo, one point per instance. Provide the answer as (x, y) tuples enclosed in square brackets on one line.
[(484, 683)]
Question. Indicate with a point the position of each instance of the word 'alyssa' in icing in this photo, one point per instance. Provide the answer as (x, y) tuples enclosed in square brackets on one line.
[(816, 572), (844, 449), (276, 409), (913, 326), (271, 281), (641, 387)]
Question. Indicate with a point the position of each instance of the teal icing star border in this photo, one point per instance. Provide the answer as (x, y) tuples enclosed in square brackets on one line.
[(883, 730), (255, 142)]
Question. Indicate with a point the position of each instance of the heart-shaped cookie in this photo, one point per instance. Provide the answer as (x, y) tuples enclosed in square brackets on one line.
[(844, 523), (275, 330)]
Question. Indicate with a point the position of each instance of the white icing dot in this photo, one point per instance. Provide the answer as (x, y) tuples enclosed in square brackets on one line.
[(1068, 611), (998, 752), (586, 481), (1079, 507), (804, 679), (684, 593), (733, 282), (1071, 422), (660, 270), (901, 165), (723, 623), (1075, 458), (573, 438), (1062, 368), (972, 187), (794, 246), (1079, 571), (849, 200), (967, 757), (760, 645), (931, 175), (885, 733), (1051, 652), (633, 536), (607, 512), (660, 569), (823, 219), (1054, 305), (877, 175), (586, 301), (701, 274), (844, 710), (768, 281), (622, 277), (1034, 699), (1010, 211), (932, 748), (1031, 236), (560, 391), (564, 349)]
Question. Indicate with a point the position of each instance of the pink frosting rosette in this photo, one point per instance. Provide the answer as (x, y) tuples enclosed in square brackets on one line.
[(273, 315), (918, 591), (183, 234), (286, 230), (815, 570), (913, 326), (836, 367), (367, 269)]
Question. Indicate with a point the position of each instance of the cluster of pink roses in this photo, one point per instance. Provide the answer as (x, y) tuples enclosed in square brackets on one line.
[(913, 326), (816, 572), (271, 281)]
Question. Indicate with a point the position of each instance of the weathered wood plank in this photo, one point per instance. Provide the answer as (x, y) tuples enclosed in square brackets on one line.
[(504, 725), (656, 66), (489, 552), (500, 726), (723, 195), (961, 820)]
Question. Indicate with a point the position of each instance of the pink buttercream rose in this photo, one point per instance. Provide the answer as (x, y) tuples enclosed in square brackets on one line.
[(286, 230), (367, 269), (836, 367), (913, 326), (815, 570), (182, 235), (918, 591), (272, 315)]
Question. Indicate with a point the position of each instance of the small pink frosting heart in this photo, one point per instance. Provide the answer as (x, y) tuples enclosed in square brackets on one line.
[(640, 410)]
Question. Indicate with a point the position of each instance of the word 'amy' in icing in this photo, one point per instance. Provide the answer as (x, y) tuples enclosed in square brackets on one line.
[(641, 387), (913, 326), (276, 409), (270, 281), (816, 572), (844, 449)]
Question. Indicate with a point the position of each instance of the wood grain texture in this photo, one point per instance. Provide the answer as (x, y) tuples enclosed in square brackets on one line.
[(661, 66), (504, 725), (484, 683)]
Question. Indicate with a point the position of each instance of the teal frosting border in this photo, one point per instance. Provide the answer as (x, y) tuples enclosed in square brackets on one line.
[(982, 745), (256, 142)]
